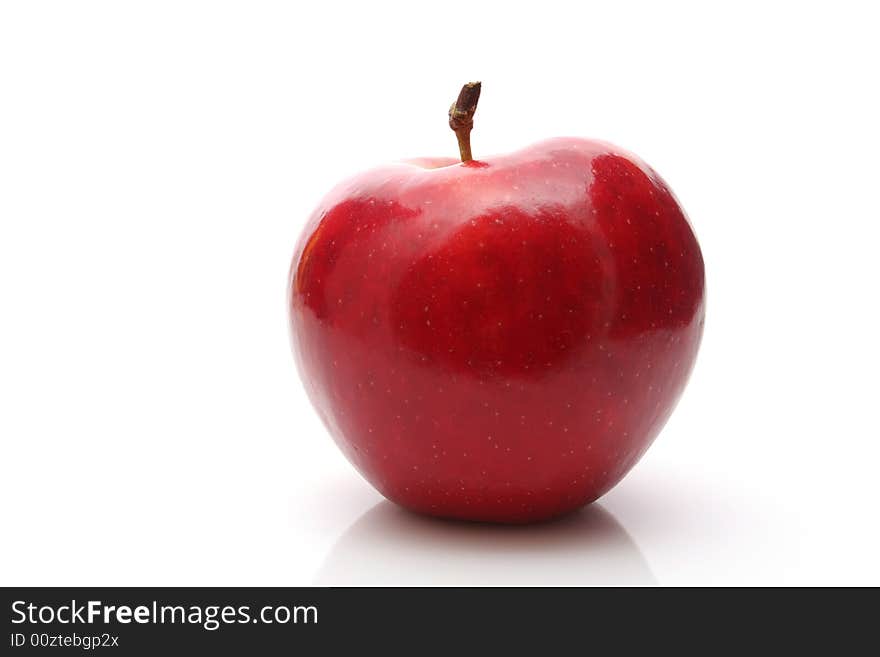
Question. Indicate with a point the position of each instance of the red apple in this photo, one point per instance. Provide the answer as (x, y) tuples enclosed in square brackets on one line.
[(502, 339)]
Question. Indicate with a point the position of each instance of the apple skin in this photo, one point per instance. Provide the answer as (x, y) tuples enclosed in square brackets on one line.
[(498, 340)]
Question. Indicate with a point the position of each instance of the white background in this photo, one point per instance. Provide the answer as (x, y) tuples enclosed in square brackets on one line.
[(158, 160)]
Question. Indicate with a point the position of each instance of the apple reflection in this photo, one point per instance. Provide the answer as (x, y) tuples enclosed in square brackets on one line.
[(388, 546)]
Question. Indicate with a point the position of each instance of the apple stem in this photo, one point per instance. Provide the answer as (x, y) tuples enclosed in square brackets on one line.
[(461, 117)]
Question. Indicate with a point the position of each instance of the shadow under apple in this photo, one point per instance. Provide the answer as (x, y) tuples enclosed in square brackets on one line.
[(388, 546)]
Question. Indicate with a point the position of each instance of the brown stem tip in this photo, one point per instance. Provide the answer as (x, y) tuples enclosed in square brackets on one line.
[(461, 117)]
